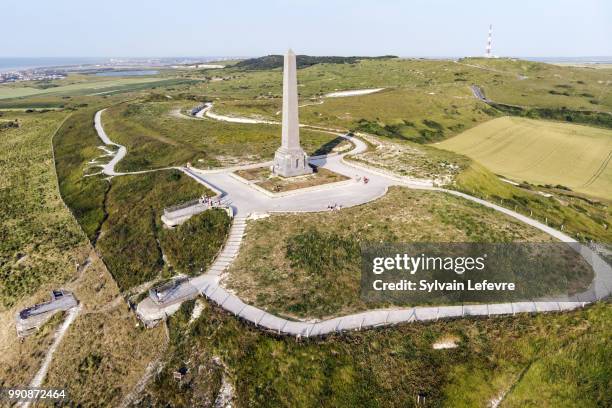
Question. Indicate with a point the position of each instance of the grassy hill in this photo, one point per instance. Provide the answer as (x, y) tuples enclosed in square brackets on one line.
[(536, 358), (313, 268), (303, 61), (423, 100), (541, 152)]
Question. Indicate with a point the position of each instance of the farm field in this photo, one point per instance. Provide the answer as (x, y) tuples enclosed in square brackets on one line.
[(541, 152), (92, 87)]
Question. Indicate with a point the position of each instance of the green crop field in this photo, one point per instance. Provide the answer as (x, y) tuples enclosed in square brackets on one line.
[(91, 87), (541, 152)]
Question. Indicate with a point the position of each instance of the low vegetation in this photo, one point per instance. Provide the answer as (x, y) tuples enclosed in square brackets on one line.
[(76, 144), (121, 216), (312, 267), (583, 217), (129, 239), (387, 367), (531, 84), (302, 61), (413, 160), (563, 114), (191, 247), (39, 241), (155, 138), (102, 355), (106, 351), (424, 101), (580, 217)]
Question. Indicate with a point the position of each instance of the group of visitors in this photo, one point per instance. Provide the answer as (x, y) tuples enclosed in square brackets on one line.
[(364, 178), (210, 201), (335, 207)]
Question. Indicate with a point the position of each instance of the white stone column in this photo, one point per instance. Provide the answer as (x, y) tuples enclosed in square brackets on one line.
[(290, 160), (291, 124)]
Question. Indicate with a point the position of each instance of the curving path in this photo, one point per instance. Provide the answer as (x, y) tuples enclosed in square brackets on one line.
[(207, 110), (246, 200)]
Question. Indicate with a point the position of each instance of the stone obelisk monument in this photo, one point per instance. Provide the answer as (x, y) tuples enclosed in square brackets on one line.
[(290, 160)]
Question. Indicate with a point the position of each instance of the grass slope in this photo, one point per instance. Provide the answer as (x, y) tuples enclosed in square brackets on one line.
[(129, 237), (102, 355), (376, 368), (76, 143), (541, 152), (121, 216), (39, 240), (585, 219), (424, 100), (312, 267)]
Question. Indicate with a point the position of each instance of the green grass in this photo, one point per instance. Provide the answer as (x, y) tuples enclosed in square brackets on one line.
[(39, 240), (129, 237), (545, 85), (577, 374), (191, 247), (577, 216), (312, 267), (375, 368), (540, 152), (155, 138), (412, 159), (424, 101), (121, 216), (75, 144)]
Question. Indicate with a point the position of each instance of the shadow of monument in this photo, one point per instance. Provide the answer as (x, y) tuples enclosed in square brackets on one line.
[(328, 147)]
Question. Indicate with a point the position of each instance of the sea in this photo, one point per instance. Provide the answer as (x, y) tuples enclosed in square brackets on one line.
[(14, 64)]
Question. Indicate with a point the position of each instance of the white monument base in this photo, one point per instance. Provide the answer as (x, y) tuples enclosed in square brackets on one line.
[(291, 162)]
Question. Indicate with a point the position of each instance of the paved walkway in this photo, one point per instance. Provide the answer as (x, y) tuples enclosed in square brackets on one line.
[(246, 200)]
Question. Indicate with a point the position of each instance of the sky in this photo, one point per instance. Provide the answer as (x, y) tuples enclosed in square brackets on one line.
[(166, 28)]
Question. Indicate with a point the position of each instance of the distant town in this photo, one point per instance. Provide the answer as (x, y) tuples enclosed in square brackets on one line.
[(58, 72), (41, 74)]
